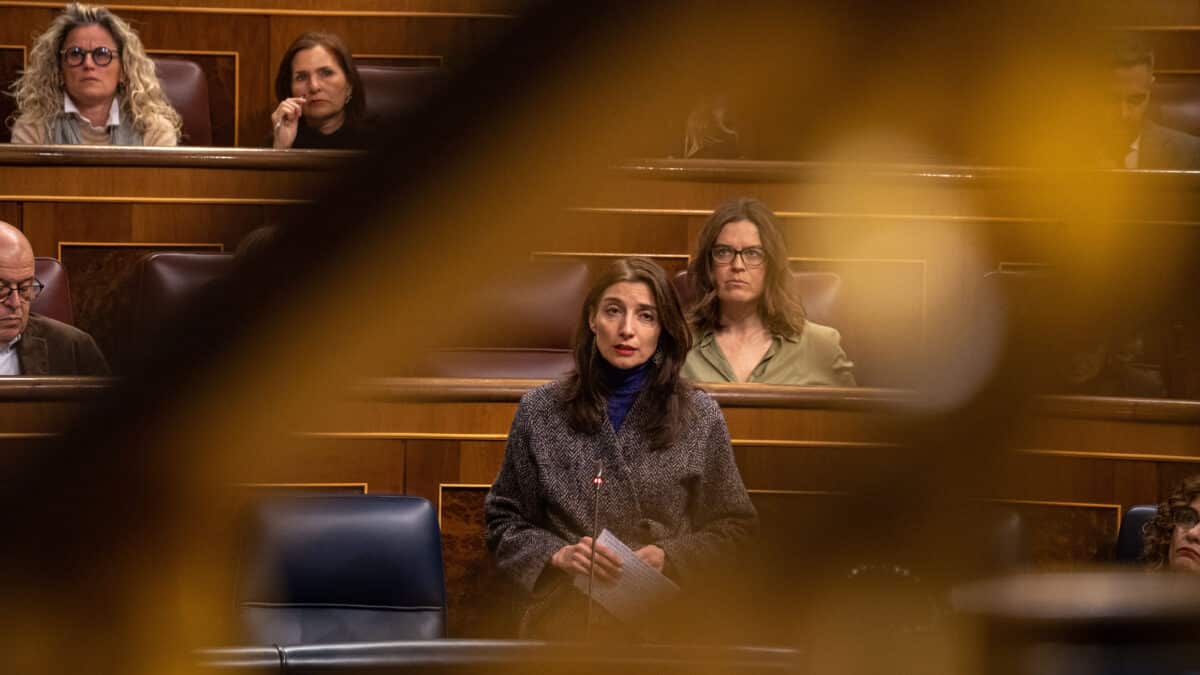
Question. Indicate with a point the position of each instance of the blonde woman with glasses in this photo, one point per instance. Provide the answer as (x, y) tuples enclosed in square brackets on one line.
[(89, 82)]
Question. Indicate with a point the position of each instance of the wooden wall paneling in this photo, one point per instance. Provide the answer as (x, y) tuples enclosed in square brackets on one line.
[(12, 60), (10, 212), (613, 231), (817, 467), (329, 462), (479, 461), (1110, 436), (38, 417), (598, 262), (428, 464), (48, 223), (399, 60), (221, 71), (417, 419), (1169, 475), (751, 425), (223, 224)]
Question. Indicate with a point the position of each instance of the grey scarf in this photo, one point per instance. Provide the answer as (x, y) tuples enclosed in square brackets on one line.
[(64, 130)]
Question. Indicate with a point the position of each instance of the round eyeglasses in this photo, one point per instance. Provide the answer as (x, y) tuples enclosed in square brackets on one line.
[(1185, 517), (752, 256), (27, 291), (101, 56)]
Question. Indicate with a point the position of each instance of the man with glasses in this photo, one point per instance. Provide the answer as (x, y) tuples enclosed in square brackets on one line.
[(31, 344)]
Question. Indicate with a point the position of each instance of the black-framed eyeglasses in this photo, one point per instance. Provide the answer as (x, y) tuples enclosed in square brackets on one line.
[(101, 56), (27, 291), (752, 256), (1185, 517)]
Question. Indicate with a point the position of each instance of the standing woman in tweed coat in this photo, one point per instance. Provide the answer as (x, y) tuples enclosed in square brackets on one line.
[(671, 489)]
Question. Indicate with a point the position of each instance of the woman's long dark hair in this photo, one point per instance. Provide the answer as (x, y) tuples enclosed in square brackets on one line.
[(780, 307), (585, 391)]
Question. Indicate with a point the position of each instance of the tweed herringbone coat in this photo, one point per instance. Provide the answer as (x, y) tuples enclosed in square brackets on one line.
[(688, 498)]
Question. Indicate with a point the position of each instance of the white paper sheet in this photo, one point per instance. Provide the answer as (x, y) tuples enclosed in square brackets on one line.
[(639, 588)]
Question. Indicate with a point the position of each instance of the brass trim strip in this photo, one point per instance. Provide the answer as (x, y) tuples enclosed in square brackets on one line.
[(188, 9), (401, 436), (219, 247), (801, 493), (246, 201), (237, 77), (364, 486), (1113, 455), (598, 254), (600, 210), (1053, 502), (14, 435), (783, 443), (440, 59)]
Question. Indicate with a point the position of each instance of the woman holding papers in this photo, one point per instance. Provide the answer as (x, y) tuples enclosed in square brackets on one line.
[(621, 444)]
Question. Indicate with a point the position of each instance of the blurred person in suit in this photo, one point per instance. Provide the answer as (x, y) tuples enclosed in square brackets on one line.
[(671, 490), (90, 82), (31, 344), (1135, 142), (748, 321)]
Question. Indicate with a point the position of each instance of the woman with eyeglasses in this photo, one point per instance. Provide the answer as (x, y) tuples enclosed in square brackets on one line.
[(1172, 538), (748, 321), (89, 82), (668, 485)]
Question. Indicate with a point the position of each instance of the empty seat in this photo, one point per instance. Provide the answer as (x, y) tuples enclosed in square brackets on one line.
[(394, 92), (55, 299), (160, 285), (327, 569), (519, 326), (186, 88)]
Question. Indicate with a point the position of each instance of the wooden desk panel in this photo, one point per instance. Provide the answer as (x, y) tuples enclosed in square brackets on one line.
[(802, 451)]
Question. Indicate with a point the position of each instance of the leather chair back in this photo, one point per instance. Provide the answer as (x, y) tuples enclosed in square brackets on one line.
[(520, 326), (394, 92), (1129, 538), (55, 299), (186, 88), (160, 286), (818, 290), (324, 569)]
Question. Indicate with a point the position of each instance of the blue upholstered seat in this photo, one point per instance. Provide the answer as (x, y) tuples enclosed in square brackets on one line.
[(327, 569)]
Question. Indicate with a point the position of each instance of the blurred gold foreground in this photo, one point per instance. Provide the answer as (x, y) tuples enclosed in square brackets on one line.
[(143, 573)]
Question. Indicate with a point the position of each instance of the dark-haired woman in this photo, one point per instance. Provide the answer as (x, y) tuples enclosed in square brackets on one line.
[(748, 321), (671, 490), (321, 97)]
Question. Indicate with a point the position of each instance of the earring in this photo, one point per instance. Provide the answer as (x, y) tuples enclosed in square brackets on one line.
[(657, 358)]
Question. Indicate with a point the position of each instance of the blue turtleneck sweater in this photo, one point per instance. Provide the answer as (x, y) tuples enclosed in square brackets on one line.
[(623, 388)]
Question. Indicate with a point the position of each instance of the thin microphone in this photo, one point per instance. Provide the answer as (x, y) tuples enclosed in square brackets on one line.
[(596, 483)]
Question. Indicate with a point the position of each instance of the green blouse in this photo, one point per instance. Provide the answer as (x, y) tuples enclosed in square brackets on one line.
[(815, 357)]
